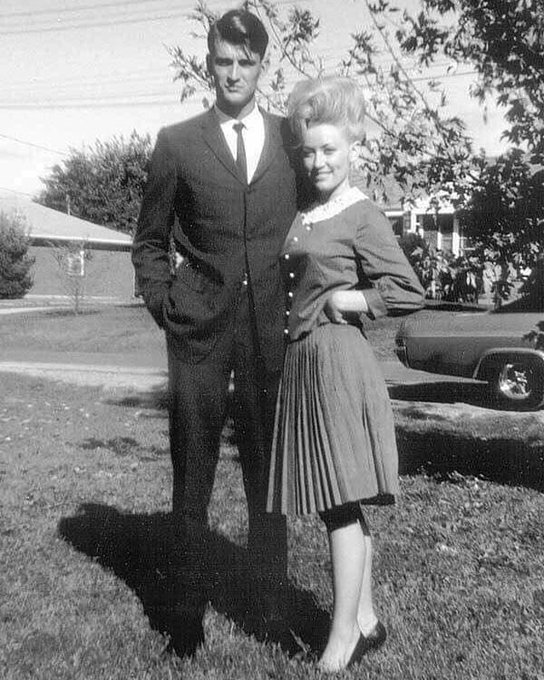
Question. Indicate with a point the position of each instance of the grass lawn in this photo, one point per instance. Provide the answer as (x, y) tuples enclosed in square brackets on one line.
[(89, 557), (101, 329), (118, 329), (86, 558)]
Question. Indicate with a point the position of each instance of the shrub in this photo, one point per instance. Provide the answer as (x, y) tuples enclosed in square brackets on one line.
[(444, 276), (15, 262), (414, 246)]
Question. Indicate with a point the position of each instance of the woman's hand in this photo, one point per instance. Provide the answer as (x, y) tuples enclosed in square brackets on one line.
[(342, 305), (332, 310)]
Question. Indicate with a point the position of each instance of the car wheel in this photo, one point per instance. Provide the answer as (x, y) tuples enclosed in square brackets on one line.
[(517, 383)]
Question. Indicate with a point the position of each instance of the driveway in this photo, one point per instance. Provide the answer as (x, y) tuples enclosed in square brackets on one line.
[(138, 372)]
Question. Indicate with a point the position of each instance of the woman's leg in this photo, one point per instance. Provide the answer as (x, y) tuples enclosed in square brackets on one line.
[(348, 547), (366, 616)]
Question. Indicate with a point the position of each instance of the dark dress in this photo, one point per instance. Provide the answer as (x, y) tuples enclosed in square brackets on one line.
[(334, 437)]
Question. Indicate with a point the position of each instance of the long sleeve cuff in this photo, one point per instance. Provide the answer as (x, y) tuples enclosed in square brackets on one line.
[(376, 304)]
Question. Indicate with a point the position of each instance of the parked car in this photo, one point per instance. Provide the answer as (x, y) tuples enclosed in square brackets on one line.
[(491, 346)]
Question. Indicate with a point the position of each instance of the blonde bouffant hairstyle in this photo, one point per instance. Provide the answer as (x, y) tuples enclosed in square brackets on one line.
[(331, 100)]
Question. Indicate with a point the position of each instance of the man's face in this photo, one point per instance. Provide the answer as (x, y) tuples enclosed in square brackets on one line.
[(235, 71)]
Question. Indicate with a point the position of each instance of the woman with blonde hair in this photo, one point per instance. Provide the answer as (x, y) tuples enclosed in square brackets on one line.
[(334, 447)]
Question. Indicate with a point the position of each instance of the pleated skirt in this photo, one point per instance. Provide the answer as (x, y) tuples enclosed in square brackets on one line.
[(334, 436)]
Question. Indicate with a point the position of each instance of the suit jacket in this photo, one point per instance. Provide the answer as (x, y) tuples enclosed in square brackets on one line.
[(225, 230)]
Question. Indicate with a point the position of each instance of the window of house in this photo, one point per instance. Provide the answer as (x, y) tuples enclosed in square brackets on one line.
[(75, 263)]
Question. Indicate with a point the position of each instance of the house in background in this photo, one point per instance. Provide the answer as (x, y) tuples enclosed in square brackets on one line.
[(440, 228), (99, 254)]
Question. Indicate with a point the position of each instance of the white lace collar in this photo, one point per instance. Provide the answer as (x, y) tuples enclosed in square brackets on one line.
[(324, 211)]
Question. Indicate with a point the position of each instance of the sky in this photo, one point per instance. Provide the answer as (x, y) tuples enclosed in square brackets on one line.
[(77, 71)]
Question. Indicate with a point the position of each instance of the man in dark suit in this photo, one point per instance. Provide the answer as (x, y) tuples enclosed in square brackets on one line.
[(226, 195)]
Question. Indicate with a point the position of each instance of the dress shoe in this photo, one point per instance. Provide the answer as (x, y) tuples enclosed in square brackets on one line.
[(366, 643)]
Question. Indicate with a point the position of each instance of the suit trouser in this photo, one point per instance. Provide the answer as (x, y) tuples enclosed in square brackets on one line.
[(198, 407)]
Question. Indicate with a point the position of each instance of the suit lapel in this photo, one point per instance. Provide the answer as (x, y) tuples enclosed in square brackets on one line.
[(214, 138), (272, 144)]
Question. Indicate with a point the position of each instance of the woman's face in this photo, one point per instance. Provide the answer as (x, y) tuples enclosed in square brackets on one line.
[(326, 156)]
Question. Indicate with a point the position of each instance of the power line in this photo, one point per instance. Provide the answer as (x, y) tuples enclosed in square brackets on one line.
[(81, 100), (25, 29), (146, 74), (63, 10), (143, 76), (118, 100), (15, 191), (83, 25), (37, 146), (98, 79), (101, 24), (97, 91), (87, 105), (445, 76), (83, 97)]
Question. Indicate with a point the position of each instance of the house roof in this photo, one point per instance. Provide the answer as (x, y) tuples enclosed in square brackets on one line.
[(45, 225)]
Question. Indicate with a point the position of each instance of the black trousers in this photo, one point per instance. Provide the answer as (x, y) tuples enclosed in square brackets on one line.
[(198, 407)]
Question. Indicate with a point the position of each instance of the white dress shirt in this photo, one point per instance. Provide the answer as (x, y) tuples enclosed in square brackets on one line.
[(252, 133)]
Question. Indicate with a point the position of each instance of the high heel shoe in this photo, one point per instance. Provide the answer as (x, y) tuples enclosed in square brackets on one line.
[(367, 643)]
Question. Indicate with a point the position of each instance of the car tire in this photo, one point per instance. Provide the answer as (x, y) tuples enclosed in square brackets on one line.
[(516, 383)]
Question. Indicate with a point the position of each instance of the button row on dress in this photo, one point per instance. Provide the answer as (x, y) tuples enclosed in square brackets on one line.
[(290, 293)]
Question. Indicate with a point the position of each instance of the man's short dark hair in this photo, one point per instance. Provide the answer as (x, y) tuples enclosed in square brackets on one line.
[(239, 27)]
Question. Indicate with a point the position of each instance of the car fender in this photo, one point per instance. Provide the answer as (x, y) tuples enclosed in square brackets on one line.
[(489, 356)]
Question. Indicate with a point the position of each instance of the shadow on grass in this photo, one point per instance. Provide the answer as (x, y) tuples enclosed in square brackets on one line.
[(445, 392), (175, 578), (502, 460), (516, 460), (71, 312), (124, 446), (154, 399)]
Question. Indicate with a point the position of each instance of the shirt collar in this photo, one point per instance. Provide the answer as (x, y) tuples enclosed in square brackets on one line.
[(253, 118)]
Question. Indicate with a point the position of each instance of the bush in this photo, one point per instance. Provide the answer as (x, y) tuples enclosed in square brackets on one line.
[(444, 276), (15, 262), (414, 246)]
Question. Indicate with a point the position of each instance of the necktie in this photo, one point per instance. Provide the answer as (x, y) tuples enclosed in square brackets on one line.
[(241, 160)]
